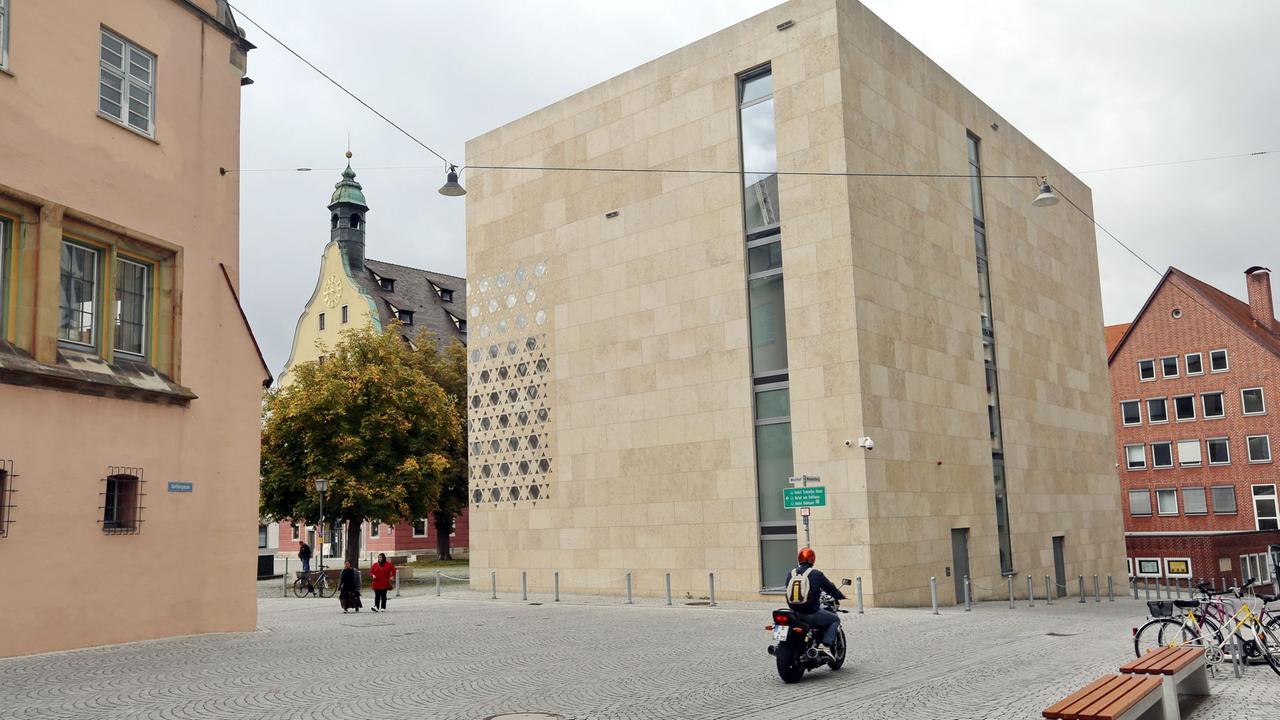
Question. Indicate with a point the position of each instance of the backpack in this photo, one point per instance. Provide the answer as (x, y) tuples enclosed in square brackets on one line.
[(798, 587)]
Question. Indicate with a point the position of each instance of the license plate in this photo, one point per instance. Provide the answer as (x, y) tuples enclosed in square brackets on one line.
[(780, 632)]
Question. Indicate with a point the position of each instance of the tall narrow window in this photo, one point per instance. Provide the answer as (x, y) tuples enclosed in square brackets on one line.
[(5, 229), (987, 324), (4, 34), (1264, 507), (78, 295), (767, 321), (321, 321), (133, 289), (345, 314), (127, 83)]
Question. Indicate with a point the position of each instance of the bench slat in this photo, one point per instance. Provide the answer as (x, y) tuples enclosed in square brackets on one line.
[(1105, 698), (1165, 661)]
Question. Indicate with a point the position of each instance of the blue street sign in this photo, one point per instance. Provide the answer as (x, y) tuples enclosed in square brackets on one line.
[(179, 486)]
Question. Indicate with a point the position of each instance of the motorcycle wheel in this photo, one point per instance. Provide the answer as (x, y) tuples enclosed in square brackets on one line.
[(789, 667), (838, 651)]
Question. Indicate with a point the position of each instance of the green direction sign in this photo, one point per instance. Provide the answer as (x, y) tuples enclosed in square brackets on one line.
[(800, 497)]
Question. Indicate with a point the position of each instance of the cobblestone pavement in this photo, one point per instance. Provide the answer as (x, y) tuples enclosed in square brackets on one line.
[(467, 657)]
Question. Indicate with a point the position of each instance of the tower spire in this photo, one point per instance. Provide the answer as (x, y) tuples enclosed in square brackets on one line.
[(347, 209)]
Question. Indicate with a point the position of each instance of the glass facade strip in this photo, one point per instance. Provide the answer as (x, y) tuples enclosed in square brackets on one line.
[(987, 324), (768, 325)]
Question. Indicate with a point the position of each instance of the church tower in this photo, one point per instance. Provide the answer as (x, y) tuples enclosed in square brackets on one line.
[(347, 218)]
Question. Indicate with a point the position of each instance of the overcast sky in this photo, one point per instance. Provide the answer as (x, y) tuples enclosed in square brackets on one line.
[(1097, 84)]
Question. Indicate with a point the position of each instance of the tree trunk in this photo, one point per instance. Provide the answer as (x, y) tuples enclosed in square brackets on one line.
[(351, 553), (444, 526)]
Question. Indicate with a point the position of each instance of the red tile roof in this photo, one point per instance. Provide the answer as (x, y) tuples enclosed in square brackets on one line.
[(1114, 335)]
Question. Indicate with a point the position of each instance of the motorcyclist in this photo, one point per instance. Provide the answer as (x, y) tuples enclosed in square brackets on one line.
[(805, 585)]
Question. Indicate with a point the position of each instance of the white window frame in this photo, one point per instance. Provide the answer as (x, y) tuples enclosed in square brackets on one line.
[(1169, 573), (1249, 450), (1187, 365), (426, 528), (1137, 567), (1186, 505), (1214, 504), (1177, 366), (128, 83), (1150, 508), (1125, 423), (98, 256), (146, 308), (1128, 461), (1204, 411), (1226, 443), (1153, 454), (1165, 402), (375, 530), (4, 34), (1253, 495), (1199, 453), (1260, 561), (1174, 492), (1261, 396), (1226, 361), (295, 531), (1153, 370), (1193, 408)]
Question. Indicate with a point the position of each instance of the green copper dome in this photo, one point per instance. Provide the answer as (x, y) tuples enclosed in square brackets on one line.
[(348, 190)]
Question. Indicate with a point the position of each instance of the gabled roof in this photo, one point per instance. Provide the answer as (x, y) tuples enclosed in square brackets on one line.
[(415, 290), (1114, 334), (1228, 307)]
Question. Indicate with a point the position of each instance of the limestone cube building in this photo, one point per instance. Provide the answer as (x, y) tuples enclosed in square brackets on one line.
[(812, 240)]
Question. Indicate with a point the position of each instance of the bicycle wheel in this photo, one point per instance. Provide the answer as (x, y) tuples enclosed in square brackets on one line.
[(1150, 636), (300, 587), (1202, 632), (1264, 637), (326, 589)]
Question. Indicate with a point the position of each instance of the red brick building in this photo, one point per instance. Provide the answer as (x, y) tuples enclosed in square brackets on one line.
[(1197, 413), (416, 538)]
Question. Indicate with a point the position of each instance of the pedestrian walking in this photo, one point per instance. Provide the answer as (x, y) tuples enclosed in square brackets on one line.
[(349, 589), (304, 554), (383, 573)]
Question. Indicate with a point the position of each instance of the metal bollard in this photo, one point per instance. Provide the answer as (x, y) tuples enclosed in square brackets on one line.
[(629, 589), (1011, 605), (858, 588), (524, 584), (1237, 656), (1097, 592), (668, 584), (1133, 583), (1031, 593), (1111, 589), (1147, 584), (437, 583), (1082, 598), (1048, 594), (397, 584), (1177, 588), (493, 584), (286, 576), (933, 592), (968, 601), (557, 584), (711, 581)]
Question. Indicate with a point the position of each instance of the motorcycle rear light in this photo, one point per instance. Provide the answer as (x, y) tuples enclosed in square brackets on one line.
[(798, 629), (780, 619)]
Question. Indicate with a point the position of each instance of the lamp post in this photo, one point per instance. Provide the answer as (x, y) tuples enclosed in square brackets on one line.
[(321, 485)]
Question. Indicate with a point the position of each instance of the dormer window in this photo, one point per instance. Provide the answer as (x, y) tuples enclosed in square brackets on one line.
[(387, 284), (446, 295), (459, 323), (405, 316)]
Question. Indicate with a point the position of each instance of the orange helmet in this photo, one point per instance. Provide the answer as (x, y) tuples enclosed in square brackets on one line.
[(806, 556)]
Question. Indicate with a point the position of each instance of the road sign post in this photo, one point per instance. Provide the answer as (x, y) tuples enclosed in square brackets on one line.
[(803, 498)]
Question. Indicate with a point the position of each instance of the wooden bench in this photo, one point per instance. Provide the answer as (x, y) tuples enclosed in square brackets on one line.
[(1113, 697), (1181, 671)]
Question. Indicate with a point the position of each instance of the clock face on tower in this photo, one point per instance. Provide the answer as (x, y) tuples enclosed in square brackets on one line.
[(332, 291)]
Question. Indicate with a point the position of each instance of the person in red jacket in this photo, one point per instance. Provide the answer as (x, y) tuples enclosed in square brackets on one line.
[(383, 574)]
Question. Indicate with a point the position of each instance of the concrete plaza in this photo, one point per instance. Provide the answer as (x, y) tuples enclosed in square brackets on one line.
[(465, 656)]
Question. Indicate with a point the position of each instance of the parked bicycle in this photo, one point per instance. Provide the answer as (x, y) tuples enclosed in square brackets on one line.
[(1213, 622), (316, 582)]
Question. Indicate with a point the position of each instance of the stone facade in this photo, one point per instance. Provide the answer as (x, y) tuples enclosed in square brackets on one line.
[(641, 328)]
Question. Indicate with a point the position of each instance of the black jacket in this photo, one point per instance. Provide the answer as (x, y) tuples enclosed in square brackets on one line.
[(818, 583), (304, 552), (348, 581)]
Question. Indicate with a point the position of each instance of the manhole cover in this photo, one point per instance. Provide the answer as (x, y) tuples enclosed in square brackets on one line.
[(524, 716)]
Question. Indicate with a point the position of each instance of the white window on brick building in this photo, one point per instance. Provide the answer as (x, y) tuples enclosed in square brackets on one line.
[(1139, 502), (1194, 363), (1135, 456), (1169, 366), (1224, 500), (1193, 501), (1264, 507), (1184, 407), (1189, 453), (420, 527), (1259, 448), (1131, 412), (1252, 402), (1218, 361), (1146, 370), (1211, 404), (1161, 454), (1256, 566), (1219, 451), (1167, 501), (1157, 411)]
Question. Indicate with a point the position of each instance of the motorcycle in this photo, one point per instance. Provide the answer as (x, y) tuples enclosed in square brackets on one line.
[(795, 647)]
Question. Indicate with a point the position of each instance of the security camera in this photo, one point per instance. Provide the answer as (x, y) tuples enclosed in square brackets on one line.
[(866, 443)]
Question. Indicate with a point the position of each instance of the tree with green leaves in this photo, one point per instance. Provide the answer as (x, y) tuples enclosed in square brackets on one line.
[(448, 368), (375, 422)]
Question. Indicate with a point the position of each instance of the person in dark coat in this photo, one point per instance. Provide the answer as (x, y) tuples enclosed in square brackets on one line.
[(349, 589)]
